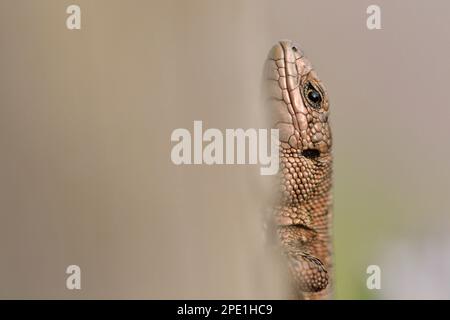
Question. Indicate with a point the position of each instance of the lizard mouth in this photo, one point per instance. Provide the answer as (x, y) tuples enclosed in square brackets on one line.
[(311, 153)]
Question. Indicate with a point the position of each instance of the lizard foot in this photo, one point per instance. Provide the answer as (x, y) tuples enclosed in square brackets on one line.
[(308, 271)]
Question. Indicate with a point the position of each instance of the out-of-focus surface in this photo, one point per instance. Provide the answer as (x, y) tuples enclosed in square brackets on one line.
[(85, 124)]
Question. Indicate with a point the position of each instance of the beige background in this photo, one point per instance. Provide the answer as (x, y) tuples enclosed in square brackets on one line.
[(85, 124)]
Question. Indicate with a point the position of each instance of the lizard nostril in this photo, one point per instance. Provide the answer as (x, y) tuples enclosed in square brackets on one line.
[(311, 153)]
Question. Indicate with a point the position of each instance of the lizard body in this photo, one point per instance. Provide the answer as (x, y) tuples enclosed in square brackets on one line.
[(299, 106)]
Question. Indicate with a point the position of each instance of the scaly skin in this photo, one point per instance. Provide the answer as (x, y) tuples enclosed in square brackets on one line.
[(302, 215)]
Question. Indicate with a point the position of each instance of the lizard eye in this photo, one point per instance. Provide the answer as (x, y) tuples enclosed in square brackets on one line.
[(313, 95)]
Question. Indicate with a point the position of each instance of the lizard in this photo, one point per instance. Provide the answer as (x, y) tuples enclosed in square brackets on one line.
[(301, 216)]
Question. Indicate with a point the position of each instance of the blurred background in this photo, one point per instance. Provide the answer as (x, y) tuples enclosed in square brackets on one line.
[(85, 123)]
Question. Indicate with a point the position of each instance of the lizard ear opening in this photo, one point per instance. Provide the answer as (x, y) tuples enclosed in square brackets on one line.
[(311, 153)]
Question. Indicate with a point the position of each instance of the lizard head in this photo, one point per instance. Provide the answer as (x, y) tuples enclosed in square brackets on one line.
[(299, 106)]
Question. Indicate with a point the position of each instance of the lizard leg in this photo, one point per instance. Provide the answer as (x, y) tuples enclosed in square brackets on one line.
[(307, 270)]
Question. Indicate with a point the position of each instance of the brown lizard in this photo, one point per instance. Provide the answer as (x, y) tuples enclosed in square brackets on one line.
[(301, 217)]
